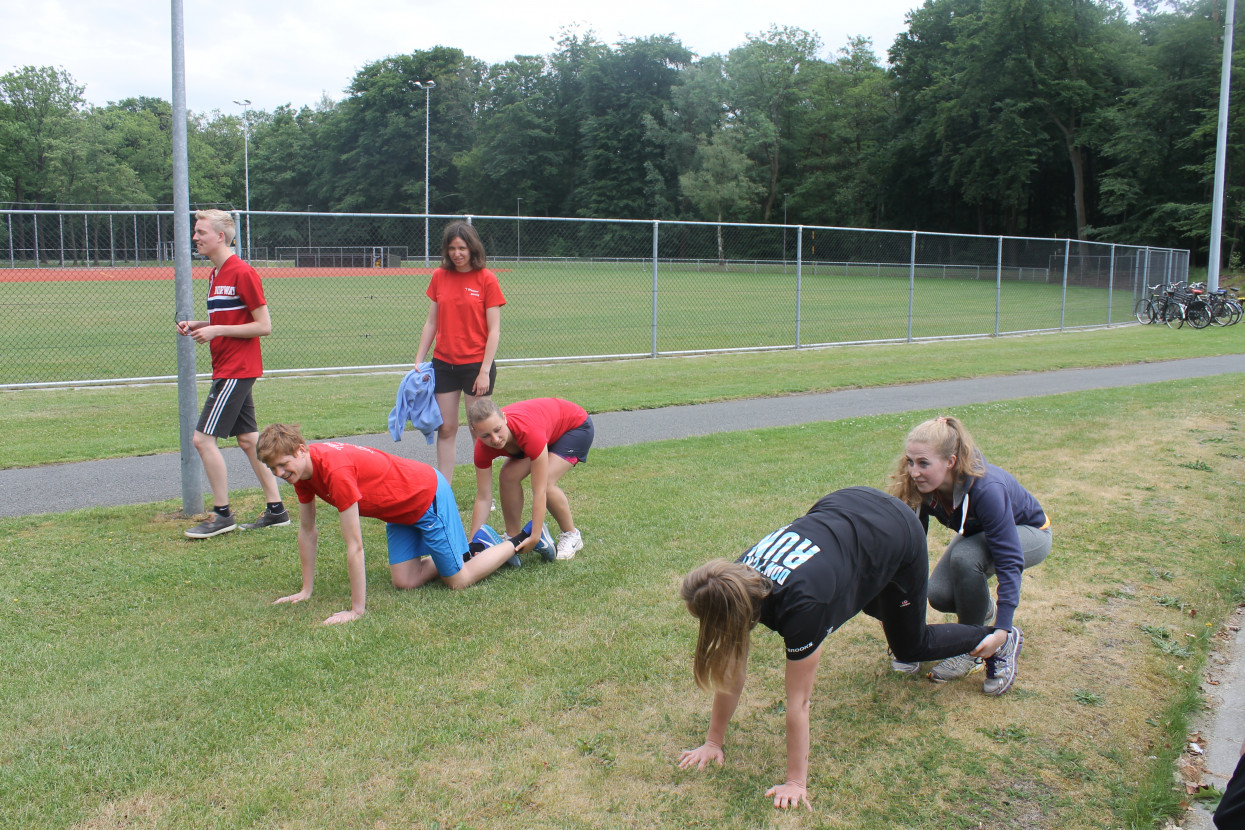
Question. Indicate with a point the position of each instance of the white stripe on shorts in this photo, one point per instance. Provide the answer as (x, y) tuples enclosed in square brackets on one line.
[(219, 404)]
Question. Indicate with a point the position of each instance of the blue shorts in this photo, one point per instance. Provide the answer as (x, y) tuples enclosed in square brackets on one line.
[(573, 445), (438, 533)]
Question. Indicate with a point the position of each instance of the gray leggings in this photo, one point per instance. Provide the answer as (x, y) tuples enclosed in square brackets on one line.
[(959, 583)]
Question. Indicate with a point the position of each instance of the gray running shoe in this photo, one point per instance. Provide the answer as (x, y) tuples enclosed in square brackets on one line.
[(953, 668), (902, 667), (1001, 667), (214, 525), (269, 519)]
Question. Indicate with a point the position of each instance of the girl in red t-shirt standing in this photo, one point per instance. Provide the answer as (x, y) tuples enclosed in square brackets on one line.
[(465, 321)]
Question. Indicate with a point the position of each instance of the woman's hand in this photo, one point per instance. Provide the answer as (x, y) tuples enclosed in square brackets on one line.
[(992, 643), (701, 755), (343, 617), (789, 794)]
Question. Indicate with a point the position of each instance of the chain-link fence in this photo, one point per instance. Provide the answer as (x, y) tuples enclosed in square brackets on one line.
[(88, 295)]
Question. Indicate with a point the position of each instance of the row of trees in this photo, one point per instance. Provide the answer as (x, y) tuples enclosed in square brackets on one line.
[(1058, 118)]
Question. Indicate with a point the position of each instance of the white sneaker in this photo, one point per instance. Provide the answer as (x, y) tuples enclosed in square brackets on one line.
[(569, 543)]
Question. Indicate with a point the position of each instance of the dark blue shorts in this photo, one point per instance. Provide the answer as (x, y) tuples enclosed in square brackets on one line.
[(573, 445)]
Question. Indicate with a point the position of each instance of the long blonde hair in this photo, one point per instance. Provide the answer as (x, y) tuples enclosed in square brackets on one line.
[(726, 597), (947, 437)]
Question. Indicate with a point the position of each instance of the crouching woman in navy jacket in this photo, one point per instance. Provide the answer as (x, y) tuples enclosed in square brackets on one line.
[(856, 550), (1000, 529)]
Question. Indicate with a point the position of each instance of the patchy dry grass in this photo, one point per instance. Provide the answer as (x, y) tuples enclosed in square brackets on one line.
[(149, 683)]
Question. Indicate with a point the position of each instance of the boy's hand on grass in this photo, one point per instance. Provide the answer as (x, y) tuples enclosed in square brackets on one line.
[(789, 794), (343, 617), (701, 755), (293, 598)]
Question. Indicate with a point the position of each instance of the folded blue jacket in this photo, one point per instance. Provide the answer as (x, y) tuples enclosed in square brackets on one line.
[(416, 403)]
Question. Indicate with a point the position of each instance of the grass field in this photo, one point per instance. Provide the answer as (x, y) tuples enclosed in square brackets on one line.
[(76, 330), (149, 683), (47, 426)]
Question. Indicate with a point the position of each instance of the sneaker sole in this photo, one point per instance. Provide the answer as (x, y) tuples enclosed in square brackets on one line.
[(190, 535), (1011, 681), (258, 526)]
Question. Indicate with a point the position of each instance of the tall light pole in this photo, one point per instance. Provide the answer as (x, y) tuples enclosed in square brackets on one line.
[(517, 247), (246, 167), (427, 87), (1221, 153)]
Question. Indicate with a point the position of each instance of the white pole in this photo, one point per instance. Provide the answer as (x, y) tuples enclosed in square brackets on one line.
[(246, 168), (1221, 154), (427, 87)]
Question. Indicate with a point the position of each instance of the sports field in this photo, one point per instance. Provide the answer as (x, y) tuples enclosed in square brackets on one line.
[(58, 325), (149, 682)]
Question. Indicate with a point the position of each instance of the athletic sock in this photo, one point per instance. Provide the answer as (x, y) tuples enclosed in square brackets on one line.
[(276, 507), (519, 538), (222, 510)]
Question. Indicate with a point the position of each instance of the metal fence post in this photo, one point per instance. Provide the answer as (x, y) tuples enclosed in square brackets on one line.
[(1111, 283), (911, 283), (653, 351), (61, 218), (799, 274), (112, 243), (86, 241), (1063, 301), (10, 218), (998, 288), (136, 239)]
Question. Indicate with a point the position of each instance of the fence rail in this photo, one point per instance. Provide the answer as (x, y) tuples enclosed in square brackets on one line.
[(88, 295)]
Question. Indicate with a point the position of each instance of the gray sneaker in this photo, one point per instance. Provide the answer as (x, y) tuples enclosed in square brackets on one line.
[(953, 668), (214, 525), (1001, 667), (902, 667), (269, 519)]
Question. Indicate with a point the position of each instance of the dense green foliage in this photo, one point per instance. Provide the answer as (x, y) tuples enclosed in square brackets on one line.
[(1065, 118)]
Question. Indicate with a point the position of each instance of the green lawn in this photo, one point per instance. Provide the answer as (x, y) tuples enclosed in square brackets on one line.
[(64, 331), (59, 425), (149, 683)]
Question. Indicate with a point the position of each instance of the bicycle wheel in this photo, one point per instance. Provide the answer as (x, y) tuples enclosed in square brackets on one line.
[(1145, 311), (1198, 314), (1173, 315), (1221, 313)]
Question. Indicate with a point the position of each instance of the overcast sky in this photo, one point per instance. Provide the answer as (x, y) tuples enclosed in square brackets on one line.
[(278, 52)]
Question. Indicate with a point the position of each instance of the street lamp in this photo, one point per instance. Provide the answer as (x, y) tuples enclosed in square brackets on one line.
[(427, 87), (246, 166), (517, 247)]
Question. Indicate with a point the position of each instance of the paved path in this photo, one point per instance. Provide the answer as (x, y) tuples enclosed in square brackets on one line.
[(60, 487), (152, 478)]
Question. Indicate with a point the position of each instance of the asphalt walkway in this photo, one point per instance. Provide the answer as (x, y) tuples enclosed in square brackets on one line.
[(145, 479)]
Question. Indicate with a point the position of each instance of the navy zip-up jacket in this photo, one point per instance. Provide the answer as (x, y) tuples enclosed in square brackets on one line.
[(993, 504)]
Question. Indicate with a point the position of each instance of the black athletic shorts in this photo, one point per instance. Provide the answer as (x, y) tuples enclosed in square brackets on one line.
[(229, 409), (460, 377)]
